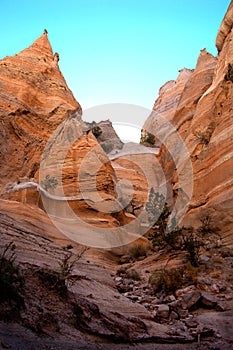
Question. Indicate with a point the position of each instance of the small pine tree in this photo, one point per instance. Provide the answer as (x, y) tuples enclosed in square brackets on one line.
[(147, 138), (164, 230), (192, 244)]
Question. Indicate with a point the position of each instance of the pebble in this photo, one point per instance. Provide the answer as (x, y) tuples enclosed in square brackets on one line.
[(163, 311), (214, 288), (218, 335), (174, 316), (191, 323), (169, 299), (181, 292), (118, 279), (133, 297)]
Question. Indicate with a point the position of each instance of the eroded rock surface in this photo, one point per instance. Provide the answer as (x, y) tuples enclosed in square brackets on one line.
[(201, 113), (35, 99), (42, 136), (90, 305)]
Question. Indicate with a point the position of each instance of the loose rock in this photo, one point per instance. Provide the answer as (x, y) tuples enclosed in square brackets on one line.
[(163, 311), (191, 299)]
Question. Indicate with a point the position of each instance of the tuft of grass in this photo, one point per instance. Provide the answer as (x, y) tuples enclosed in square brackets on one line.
[(58, 280), (169, 281), (207, 226), (121, 271), (53, 281)]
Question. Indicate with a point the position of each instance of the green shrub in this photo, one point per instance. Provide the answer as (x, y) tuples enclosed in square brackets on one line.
[(192, 245), (59, 280), (66, 266), (49, 182), (138, 251), (133, 275), (150, 138), (164, 230), (96, 130), (121, 271), (56, 280), (10, 279), (169, 281), (53, 281), (68, 262), (147, 137), (207, 226)]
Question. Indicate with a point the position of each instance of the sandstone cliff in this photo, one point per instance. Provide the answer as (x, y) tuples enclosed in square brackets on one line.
[(42, 136), (97, 300), (200, 109), (35, 99), (106, 135)]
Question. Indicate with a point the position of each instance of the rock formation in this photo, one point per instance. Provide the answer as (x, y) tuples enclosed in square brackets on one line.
[(137, 170), (50, 159), (42, 131), (199, 107), (35, 99), (106, 135), (60, 304), (92, 300)]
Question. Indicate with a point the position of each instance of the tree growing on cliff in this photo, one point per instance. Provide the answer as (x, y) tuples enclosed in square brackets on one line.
[(164, 228), (166, 232), (49, 183), (229, 74), (147, 138), (10, 279)]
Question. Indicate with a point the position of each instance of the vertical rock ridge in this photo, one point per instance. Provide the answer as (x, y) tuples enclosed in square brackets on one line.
[(41, 47), (225, 27), (203, 117), (34, 100)]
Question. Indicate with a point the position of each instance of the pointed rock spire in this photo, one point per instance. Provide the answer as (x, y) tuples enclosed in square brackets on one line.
[(40, 48), (34, 100), (32, 80)]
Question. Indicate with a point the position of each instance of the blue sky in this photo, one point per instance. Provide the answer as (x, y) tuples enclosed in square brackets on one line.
[(115, 50)]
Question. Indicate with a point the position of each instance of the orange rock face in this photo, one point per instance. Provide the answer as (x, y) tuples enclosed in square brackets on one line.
[(42, 135), (202, 115), (35, 99), (84, 175), (137, 170)]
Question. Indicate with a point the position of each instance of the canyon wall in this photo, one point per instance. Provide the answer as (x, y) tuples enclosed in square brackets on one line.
[(200, 108), (34, 100), (43, 138)]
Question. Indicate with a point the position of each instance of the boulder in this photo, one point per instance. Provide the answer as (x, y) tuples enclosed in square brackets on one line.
[(190, 300), (208, 300)]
